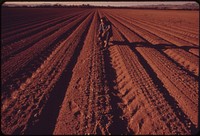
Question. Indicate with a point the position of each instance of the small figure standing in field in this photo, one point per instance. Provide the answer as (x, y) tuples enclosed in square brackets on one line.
[(105, 32)]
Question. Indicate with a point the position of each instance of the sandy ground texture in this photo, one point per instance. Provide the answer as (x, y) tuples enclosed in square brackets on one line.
[(56, 78)]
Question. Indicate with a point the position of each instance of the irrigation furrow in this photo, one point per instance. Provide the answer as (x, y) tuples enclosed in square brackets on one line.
[(37, 26), (181, 86), (8, 28), (17, 36), (175, 40), (142, 84), (191, 30), (41, 83), (185, 59), (25, 30), (193, 38), (57, 79), (21, 45), (186, 36), (36, 17), (25, 59), (173, 78), (85, 114)]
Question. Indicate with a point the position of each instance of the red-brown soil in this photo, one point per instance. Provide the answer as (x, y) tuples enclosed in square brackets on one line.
[(56, 79)]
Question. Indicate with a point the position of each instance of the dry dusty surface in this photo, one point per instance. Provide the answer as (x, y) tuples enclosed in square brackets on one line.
[(56, 79)]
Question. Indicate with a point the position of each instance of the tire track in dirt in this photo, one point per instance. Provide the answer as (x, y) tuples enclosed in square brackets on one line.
[(119, 123), (185, 88), (153, 97), (34, 93), (185, 59), (183, 98), (85, 109)]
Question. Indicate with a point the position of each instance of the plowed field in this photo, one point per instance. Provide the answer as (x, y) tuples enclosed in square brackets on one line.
[(56, 79)]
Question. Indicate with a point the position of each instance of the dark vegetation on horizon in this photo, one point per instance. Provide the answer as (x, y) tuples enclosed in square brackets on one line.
[(188, 6)]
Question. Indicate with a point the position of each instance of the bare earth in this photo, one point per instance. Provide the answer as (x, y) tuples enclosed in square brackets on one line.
[(56, 79)]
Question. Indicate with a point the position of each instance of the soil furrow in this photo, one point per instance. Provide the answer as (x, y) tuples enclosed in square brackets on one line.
[(58, 79), (175, 40), (17, 27), (38, 25), (149, 16), (14, 48), (31, 61), (25, 22), (40, 84), (187, 96), (175, 30), (91, 99), (152, 96), (185, 59), (8, 39), (188, 37)]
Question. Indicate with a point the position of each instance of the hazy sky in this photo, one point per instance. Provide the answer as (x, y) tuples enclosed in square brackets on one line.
[(126, 3)]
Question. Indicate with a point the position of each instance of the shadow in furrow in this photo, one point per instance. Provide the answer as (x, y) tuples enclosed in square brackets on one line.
[(119, 124), (190, 73), (47, 119), (32, 66), (172, 102), (160, 48)]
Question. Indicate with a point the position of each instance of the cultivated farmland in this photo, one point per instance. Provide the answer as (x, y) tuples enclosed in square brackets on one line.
[(56, 79)]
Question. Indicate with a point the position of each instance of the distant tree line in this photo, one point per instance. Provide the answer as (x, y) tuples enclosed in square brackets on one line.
[(163, 7), (49, 6)]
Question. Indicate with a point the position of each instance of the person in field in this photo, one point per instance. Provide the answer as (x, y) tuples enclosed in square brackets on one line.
[(104, 32)]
